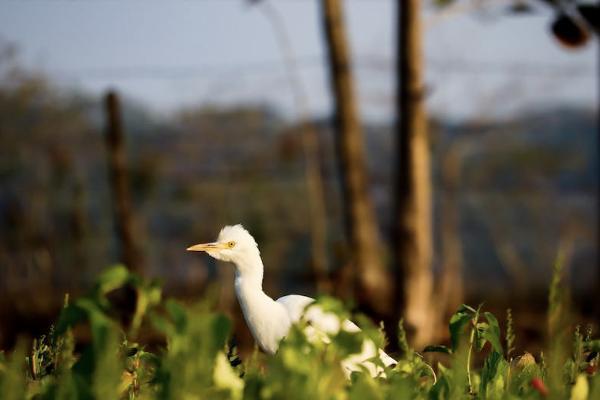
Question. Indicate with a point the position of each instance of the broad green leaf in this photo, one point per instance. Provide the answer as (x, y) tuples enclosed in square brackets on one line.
[(294, 360), (349, 343), (365, 387), (595, 386), (220, 328), (520, 382), (225, 377), (12, 376), (65, 388), (442, 369), (100, 323), (332, 305), (400, 388), (580, 389), (457, 323), (148, 296), (69, 317), (112, 278), (492, 372), (441, 389), (107, 369), (178, 315), (592, 345), (163, 325), (370, 331), (480, 339), (492, 333)]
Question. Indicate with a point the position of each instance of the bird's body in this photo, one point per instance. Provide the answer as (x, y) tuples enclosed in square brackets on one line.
[(269, 320)]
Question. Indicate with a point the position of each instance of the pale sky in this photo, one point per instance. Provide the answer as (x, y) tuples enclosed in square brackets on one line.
[(175, 53)]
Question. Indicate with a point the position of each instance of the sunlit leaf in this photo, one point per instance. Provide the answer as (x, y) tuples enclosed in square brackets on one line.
[(457, 323), (492, 374), (492, 333), (112, 278), (580, 389), (225, 377)]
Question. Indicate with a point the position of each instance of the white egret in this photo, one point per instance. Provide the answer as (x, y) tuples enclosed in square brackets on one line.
[(270, 320)]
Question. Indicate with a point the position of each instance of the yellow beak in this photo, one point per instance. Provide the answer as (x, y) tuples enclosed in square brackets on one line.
[(207, 247)]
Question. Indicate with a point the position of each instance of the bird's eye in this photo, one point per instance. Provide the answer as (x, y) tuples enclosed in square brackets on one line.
[(231, 244)]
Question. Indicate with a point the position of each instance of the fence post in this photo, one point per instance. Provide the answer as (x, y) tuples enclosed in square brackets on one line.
[(119, 182)]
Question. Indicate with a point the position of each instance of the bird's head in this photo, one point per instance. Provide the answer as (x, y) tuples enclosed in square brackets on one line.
[(234, 244)]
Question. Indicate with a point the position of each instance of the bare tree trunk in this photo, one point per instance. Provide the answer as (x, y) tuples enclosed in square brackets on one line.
[(373, 286), (117, 165), (413, 186)]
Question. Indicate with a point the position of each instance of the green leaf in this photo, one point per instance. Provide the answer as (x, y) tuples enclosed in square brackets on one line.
[(441, 389), (492, 374), (521, 382), (100, 323), (492, 333), (69, 317), (348, 342), (112, 278), (365, 387), (592, 345), (178, 315), (581, 388), (458, 322), (107, 368), (12, 376), (225, 377), (221, 326), (480, 340), (437, 349), (148, 296)]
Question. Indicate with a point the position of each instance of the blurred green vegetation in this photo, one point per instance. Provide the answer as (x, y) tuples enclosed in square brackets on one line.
[(197, 360)]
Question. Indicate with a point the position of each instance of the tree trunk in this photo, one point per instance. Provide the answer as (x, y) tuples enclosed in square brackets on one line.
[(412, 236), (373, 290), (119, 180)]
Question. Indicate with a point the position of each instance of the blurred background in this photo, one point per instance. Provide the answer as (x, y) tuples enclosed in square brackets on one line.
[(405, 160)]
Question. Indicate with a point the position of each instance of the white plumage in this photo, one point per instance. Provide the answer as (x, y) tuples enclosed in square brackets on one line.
[(270, 320)]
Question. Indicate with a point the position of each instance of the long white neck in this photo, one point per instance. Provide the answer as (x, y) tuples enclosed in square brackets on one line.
[(268, 320), (250, 270)]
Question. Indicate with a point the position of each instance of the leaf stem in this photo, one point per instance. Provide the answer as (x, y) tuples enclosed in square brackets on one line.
[(471, 340)]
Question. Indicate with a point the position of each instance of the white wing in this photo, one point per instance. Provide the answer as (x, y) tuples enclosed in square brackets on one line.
[(295, 305), (322, 324)]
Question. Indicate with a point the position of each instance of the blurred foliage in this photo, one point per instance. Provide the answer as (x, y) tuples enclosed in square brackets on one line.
[(195, 362), (526, 183)]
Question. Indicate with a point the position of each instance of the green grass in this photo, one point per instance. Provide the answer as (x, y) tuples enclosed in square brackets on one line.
[(196, 362)]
